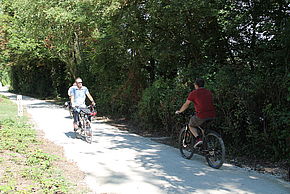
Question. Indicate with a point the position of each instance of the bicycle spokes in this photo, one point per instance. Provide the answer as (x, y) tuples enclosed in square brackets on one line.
[(215, 150), (186, 139), (185, 144)]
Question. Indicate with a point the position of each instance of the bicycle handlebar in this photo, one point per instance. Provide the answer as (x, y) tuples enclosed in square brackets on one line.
[(185, 114), (91, 109)]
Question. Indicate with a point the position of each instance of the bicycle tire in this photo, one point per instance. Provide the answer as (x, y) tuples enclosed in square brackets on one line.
[(77, 132), (88, 132), (186, 143), (215, 147)]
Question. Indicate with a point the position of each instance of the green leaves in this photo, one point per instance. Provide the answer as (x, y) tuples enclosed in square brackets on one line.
[(123, 49)]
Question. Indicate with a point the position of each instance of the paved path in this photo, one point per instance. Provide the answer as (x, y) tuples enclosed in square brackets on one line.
[(121, 162)]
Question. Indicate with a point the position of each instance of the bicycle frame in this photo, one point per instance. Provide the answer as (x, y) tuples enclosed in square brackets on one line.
[(84, 118)]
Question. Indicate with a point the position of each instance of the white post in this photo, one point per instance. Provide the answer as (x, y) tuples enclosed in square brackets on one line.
[(20, 106)]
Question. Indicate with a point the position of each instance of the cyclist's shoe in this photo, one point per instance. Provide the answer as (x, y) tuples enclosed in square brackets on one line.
[(198, 142), (75, 127), (78, 130)]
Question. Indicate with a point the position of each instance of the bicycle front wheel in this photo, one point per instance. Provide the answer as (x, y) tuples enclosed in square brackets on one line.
[(88, 132), (186, 143), (215, 154)]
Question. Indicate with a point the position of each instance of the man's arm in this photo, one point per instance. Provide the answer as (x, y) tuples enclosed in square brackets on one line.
[(91, 98), (184, 106), (68, 92), (72, 98)]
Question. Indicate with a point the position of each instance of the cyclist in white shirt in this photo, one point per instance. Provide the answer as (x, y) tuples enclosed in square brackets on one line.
[(78, 97)]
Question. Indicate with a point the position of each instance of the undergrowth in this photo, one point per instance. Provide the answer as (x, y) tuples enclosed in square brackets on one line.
[(25, 168)]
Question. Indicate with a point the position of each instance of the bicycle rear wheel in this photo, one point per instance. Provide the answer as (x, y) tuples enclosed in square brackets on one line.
[(215, 147), (186, 143)]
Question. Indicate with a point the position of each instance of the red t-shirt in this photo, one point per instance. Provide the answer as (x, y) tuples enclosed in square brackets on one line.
[(203, 103)]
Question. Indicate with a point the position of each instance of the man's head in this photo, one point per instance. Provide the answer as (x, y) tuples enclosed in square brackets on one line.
[(198, 83), (79, 82)]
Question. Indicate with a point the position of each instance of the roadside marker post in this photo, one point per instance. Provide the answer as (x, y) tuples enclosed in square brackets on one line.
[(20, 105)]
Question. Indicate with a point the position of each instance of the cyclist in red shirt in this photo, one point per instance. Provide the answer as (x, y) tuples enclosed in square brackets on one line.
[(203, 105)]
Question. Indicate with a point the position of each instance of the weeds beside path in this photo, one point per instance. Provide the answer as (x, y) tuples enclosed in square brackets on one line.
[(30, 163)]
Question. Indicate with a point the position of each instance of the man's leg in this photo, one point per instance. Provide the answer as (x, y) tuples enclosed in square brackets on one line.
[(193, 131), (76, 119), (194, 122)]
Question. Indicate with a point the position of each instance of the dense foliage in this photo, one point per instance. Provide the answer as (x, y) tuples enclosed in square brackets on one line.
[(140, 57)]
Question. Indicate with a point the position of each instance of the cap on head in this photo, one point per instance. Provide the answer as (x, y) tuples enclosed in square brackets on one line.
[(79, 80)]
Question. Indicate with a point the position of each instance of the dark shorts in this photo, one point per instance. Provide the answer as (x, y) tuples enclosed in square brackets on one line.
[(195, 121)]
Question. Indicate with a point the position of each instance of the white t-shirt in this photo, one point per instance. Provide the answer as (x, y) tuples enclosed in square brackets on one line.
[(79, 95)]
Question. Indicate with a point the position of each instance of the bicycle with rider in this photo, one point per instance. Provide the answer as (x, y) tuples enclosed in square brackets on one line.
[(78, 97), (204, 108)]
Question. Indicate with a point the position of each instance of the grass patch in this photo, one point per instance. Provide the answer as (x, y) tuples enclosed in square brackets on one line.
[(7, 108), (24, 167)]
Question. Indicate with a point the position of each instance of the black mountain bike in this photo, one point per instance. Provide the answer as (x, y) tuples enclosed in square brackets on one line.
[(85, 129), (213, 147)]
